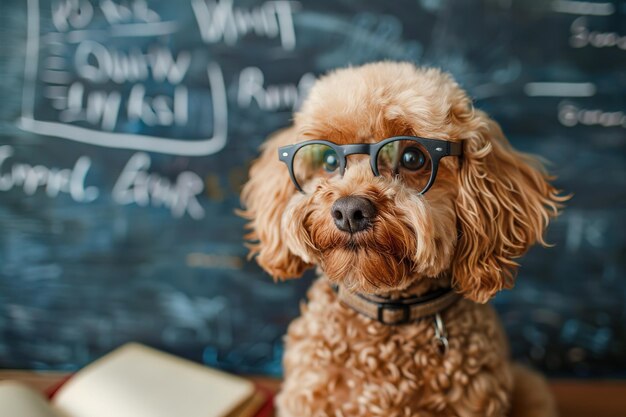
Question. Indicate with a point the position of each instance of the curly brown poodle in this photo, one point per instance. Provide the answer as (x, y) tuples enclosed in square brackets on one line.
[(413, 206)]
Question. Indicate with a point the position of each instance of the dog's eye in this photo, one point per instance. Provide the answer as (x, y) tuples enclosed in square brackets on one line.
[(413, 159), (331, 163)]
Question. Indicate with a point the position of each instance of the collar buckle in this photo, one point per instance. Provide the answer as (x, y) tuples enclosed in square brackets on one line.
[(404, 319)]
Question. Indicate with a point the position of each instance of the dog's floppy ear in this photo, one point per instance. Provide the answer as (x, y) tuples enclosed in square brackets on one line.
[(504, 204), (265, 197)]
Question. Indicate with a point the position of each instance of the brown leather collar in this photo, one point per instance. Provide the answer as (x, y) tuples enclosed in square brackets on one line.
[(397, 311)]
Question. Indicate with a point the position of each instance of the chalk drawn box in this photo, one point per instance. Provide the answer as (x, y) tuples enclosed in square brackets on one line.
[(106, 74)]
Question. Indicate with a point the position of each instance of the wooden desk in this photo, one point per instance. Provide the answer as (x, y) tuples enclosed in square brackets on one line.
[(575, 398)]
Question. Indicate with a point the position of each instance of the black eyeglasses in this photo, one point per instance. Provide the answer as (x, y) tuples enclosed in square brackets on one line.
[(413, 158)]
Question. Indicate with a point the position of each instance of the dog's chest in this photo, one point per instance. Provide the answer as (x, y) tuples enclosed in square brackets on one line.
[(351, 362)]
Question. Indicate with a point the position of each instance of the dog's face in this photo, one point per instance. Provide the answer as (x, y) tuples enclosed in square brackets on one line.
[(375, 234)]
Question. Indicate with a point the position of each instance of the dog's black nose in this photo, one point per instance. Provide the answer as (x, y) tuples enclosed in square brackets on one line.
[(353, 213)]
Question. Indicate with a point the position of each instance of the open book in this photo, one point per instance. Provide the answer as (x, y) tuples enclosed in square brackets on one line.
[(137, 381)]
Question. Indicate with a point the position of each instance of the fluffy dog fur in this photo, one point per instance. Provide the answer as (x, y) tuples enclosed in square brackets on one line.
[(485, 209)]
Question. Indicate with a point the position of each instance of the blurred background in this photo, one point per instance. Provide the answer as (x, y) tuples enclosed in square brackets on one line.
[(127, 127)]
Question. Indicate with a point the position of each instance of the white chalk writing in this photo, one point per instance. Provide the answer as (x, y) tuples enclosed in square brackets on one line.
[(136, 185), (271, 97), (68, 14), (99, 63), (220, 20), (77, 14), (54, 180), (571, 115), (136, 11), (583, 7), (582, 36), (81, 69), (102, 108)]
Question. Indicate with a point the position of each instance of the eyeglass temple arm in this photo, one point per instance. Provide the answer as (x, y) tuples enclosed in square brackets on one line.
[(455, 148)]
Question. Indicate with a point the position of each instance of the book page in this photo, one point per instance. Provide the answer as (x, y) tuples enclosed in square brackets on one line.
[(136, 381), (17, 400)]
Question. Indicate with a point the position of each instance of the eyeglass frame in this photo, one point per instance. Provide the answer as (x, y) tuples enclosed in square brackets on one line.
[(436, 148)]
